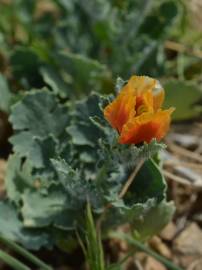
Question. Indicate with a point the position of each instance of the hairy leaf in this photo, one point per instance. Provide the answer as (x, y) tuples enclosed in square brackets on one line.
[(12, 228)]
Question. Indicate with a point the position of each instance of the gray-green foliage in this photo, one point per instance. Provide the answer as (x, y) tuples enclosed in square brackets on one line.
[(75, 47), (66, 155), (118, 31), (12, 228)]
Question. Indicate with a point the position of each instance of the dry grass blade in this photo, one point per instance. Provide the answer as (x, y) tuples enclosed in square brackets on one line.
[(121, 194), (181, 180), (184, 152), (178, 47), (130, 179), (174, 163)]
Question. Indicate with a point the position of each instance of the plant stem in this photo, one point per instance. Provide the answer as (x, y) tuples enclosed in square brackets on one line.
[(95, 253), (114, 266), (26, 254), (12, 262), (142, 247)]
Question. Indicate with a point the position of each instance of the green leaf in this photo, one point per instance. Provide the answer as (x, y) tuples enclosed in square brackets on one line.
[(78, 190), (163, 16), (38, 151), (87, 74), (39, 121), (182, 95), (123, 213), (154, 220), (131, 155), (18, 178), (12, 228), (40, 209), (53, 78), (25, 64), (5, 100), (149, 183), (40, 113), (142, 199)]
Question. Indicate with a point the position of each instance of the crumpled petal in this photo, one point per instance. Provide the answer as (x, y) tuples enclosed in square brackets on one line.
[(144, 103), (135, 113), (121, 109), (158, 95), (146, 127), (141, 84)]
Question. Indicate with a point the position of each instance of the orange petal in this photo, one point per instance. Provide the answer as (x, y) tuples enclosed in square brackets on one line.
[(121, 109), (148, 100), (146, 127), (141, 84), (159, 95)]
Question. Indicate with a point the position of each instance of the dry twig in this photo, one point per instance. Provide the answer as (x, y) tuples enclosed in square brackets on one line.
[(121, 194)]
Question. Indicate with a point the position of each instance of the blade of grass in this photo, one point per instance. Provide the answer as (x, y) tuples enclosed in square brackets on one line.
[(26, 254), (12, 262), (118, 265), (141, 247), (94, 244), (81, 244)]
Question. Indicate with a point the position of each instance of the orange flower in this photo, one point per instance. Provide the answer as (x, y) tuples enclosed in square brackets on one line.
[(136, 112)]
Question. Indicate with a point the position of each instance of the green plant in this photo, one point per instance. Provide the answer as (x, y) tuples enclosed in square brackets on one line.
[(16, 264), (115, 42), (66, 155)]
